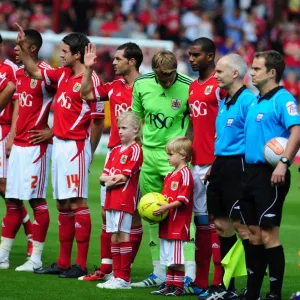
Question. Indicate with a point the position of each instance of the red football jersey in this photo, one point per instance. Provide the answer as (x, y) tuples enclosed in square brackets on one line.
[(72, 114), (35, 98), (7, 69), (204, 99), (120, 99), (178, 186), (127, 162)]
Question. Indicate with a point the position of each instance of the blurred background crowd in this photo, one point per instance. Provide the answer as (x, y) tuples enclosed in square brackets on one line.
[(240, 26)]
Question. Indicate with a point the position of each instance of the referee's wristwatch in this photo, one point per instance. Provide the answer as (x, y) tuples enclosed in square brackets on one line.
[(285, 161)]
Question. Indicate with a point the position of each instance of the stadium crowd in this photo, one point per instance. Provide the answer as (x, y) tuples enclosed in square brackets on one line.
[(239, 26)]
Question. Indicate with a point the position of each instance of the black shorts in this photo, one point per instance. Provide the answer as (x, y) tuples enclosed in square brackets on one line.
[(224, 187), (261, 203)]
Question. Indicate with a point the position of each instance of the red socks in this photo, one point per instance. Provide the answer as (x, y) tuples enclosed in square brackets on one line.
[(136, 235), (203, 254), (105, 246), (66, 231), (12, 221), (116, 257), (178, 280), (126, 260), (41, 222), (82, 234), (170, 277)]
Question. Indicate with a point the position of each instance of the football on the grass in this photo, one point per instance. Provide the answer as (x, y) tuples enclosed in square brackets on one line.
[(274, 149), (148, 204)]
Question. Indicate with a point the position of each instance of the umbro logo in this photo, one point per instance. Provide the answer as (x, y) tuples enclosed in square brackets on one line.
[(3, 225), (35, 223), (270, 215), (215, 246), (192, 92), (77, 225), (249, 271), (162, 95), (119, 94), (152, 244), (273, 279), (237, 207)]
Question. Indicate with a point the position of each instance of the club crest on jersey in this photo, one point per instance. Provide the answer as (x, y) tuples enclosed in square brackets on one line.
[(33, 83), (123, 159), (176, 104), (76, 87), (174, 185), (208, 89)]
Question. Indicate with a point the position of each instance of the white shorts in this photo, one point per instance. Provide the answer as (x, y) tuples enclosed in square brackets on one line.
[(70, 167), (27, 174), (103, 188), (171, 252), (3, 159), (118, 221), (200, 203)]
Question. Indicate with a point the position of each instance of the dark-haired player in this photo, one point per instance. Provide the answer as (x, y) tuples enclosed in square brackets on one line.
[(127, 60), (27, 175), (204, 99), (72, 150)]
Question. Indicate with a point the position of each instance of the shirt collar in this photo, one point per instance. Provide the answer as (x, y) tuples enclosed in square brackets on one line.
[(269, 94), (234, 98)]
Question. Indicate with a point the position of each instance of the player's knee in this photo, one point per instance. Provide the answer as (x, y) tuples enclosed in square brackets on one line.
[(241, 229), (77, 203), (17, 202), (63, 204), (255, 236), (103, 215), (36, 201), (270, 236), (136, 219)]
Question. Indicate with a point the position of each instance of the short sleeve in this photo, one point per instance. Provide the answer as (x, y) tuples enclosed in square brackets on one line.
[(108, 165), (3, 82), (185, 189), (97, 110), (51, 76), (287, 110), (101, 92), (137, 105)]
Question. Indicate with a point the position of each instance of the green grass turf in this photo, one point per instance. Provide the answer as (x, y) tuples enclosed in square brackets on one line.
[(20, 285)]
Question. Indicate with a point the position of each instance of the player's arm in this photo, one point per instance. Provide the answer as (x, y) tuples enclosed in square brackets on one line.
[(89, 62), (166, 207), (29, 63), (137, 105), (292, 147), (97, 126), (6, 93), (40, 136), (12, 132)]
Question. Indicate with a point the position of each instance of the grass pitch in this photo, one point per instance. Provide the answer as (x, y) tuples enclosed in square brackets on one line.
[(20, 285)]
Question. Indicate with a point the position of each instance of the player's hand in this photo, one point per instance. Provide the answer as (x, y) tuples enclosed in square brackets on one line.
[(40, 136), (163, 208), (8, 145), (21, 35), (278, 175), (205, 179), (90, 56)]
